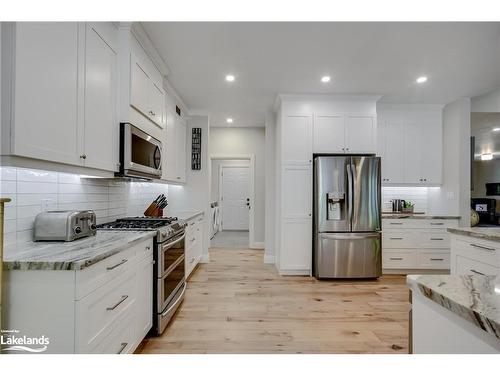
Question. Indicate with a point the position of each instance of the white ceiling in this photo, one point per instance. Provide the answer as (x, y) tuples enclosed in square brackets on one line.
[(460, 59)]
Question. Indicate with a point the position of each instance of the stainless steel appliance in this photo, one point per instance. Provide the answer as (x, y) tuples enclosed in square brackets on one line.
[(169, 281), (140, 153), (347, 217), (64, 225)]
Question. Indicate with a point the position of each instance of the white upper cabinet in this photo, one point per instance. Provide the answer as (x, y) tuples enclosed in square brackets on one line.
[(101, 125), (296, 139), (391, 148), (146, 93), (411, 144), (63, 102), (329, 134), (44, 123), (344, 133), (360, 134), (175, 150)]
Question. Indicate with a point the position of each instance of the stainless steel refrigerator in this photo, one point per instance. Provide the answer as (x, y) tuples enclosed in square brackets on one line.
[(347, 217)]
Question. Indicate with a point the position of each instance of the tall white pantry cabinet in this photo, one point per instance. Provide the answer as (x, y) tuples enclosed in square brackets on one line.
[(308, 125)]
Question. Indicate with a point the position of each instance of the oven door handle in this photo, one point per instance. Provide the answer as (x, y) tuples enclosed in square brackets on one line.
[(174, 304), (174, 242)]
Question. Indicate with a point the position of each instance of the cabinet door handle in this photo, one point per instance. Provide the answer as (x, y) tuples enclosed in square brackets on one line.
[(122, 347), (117, 265), (396, 258), (482, 247), (437, 239), (396, 223), (437, 223), (83, 156), (192, 260), (440, 259), (117, 304), (396, 238), (477, 272)]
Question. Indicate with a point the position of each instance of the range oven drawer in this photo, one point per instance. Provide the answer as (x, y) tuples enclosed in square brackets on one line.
[(170, 252), (169, 284)]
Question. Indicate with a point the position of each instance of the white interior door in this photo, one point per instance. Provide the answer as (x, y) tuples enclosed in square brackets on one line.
[(235, 195)]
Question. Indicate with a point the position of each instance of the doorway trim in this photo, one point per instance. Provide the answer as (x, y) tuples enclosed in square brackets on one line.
[(251, 220)]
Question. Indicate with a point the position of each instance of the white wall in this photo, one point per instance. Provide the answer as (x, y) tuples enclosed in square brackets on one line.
[(486, 103), (453, 197), (194, 195), (31, 190), (239, 141), (270, 185)]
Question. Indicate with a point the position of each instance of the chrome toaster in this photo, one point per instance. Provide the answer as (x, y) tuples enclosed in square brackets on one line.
[(64, 225)]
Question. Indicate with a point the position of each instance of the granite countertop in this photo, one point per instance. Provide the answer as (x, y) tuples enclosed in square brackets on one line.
[(75, 255), (404, 215), (492, 234), (185, 215), (474, 298)]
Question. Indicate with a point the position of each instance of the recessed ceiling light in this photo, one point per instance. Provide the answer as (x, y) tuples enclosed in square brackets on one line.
[(230, 78), (229, 120), (486, 156), (325, 79), (422, 79), (496, 129)]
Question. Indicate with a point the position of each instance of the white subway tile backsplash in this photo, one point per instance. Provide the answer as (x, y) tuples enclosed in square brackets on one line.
[(415, 194), (30, 187), (32, 190)]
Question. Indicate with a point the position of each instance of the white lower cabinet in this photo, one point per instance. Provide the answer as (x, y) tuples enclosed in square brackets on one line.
[(104, 308), (409, 244), (296, 246), (194, 243), (473, 256)]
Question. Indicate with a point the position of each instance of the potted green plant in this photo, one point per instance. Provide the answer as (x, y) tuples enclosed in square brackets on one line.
[(408, 207)]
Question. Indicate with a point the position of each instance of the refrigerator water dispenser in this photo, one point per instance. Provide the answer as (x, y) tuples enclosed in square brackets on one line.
[(334, 200)]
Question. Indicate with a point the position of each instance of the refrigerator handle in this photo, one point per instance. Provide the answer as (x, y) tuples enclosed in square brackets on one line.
[(350, 199)]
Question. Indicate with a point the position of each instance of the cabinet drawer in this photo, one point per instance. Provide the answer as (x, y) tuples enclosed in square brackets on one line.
[(418, 224), (466, 266), (98, 312), (397, 240), (399, 259), (438, 239), (91, 278), (482, 251), (433, 259), (121, 339)]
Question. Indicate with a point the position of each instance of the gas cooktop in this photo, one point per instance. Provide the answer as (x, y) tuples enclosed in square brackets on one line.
[(138, 223), (166, 227)]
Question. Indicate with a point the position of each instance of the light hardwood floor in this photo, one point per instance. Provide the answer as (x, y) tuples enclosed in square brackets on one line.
[(237, 304)]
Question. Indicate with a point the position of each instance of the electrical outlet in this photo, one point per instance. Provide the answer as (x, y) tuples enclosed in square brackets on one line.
[(48, 204)]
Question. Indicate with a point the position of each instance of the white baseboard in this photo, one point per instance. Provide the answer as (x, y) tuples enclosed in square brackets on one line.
[(269, 259), (257, 245), (294, 272)]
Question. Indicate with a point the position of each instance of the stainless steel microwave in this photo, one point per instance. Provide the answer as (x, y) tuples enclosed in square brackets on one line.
[(140, 153)]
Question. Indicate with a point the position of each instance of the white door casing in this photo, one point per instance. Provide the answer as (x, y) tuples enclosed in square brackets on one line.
[(235, 197)]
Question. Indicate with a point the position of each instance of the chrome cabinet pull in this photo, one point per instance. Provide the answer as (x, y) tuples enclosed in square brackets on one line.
[(482, 247), (396, 223), (437, 223), (437, 239), (477, 272), (192, 260), (440, 259), (396, 258), (117, 265), (122, 347), (396, 238), (117, 304)]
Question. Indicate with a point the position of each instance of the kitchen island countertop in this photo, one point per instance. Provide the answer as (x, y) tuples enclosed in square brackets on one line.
[(491, 234)]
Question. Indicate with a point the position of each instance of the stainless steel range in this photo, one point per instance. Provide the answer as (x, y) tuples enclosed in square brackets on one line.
[(169, 283)]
